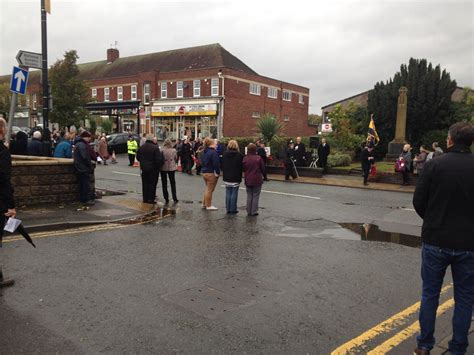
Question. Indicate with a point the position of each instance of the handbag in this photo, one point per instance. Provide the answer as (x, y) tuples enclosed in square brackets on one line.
[(400, 165)]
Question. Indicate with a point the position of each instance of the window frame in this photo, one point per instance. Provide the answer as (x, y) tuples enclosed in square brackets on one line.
[(215, 86), (301, 99), (286, 118), (146, 93), (258, 90), (283, 95), (94, 93), (164, 91), (34, 101), (179, 89), (120, 93), (272, 89), (133, 93), (196, 88), (106, 94), (256, 114)]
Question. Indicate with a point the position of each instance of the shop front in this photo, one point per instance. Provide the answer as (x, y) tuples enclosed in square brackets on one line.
[(180, 119), (125, 115)]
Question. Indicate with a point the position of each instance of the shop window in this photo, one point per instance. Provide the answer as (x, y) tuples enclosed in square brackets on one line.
[(179, 89), (272, 93), (119, 93), (146, 94), (255, 114), (286, 118), (106, 94), (197, 88), (94, 93), (133, 92), (215, 87), (164, 90), (286, 95), (300, 98), (255, 89)]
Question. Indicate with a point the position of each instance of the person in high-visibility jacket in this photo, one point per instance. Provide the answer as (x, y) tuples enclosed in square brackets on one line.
[(132, 147)]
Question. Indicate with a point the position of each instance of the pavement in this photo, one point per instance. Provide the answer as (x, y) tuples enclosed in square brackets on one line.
[(345, 181)]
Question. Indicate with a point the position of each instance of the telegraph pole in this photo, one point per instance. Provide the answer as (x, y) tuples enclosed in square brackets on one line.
[(44, 69)]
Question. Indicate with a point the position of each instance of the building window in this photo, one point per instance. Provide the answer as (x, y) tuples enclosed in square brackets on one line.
[(215, 87), (119, 93), (34, 102), (272, 93), (94, 93), (286, 95), (254, 89), (133, 95), (300, 98), (196, 88), (286, 118), (179, 89), (27, 100), (106, 94), (255, 114), (146, 93), (164, 90)]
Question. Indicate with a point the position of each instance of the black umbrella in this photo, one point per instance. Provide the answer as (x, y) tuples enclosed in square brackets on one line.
[(25, 234)]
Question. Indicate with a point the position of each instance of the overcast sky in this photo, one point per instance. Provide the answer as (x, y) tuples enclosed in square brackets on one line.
[(335, 48)]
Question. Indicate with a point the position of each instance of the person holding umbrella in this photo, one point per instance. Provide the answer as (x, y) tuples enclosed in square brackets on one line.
[(7, 203)]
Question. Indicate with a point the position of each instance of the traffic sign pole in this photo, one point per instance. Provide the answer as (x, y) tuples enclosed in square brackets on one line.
[(11, 115), (44, 69)]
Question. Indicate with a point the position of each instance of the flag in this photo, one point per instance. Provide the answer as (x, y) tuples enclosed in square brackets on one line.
[(372, 135)]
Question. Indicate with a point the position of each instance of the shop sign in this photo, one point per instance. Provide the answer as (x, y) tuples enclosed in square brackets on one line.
[(326, 128), (124, 111), (184, 110)]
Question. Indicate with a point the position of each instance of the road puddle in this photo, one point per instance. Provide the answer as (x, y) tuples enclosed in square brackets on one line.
[(152, 216), (371, 232)]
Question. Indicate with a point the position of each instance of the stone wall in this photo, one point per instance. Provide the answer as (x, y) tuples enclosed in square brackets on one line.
[(41, 180)]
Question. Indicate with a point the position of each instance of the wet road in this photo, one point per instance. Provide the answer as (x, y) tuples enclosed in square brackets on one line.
[(291, 280)]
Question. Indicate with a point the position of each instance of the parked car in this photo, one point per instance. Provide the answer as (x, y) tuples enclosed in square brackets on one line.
[(16, 129), (118, 142)]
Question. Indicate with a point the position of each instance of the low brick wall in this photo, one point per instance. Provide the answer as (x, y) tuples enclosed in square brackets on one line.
[(41, 180)]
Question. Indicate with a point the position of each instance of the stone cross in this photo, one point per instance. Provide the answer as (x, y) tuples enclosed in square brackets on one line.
[(401, 127)]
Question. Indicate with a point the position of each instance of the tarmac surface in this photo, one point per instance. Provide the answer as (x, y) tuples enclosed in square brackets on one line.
[(296, 279)]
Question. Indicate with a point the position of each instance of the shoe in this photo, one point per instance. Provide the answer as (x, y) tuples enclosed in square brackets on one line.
[(366, 183), (6, 282), (419, 351), (175, 201), (211, 208)]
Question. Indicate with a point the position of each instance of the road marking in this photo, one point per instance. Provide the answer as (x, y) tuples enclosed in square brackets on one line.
[(121, 173), (382, 328), (408, 332), (285, 194)]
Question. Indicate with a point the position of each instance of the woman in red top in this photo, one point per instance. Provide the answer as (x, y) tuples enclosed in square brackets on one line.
[(253, 169)]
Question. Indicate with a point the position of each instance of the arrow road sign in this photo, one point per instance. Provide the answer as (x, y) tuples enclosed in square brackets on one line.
[(29, 59), (19, 80)]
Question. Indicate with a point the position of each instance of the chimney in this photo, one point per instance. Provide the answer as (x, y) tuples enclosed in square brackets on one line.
[(112, 54)]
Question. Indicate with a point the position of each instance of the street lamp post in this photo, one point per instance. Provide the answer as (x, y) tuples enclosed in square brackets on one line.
[(44, 69)]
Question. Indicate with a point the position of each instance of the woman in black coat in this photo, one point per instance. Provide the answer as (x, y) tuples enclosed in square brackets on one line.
[(232, 170)]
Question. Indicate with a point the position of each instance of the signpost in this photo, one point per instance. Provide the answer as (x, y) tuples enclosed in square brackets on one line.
[(29, 59)]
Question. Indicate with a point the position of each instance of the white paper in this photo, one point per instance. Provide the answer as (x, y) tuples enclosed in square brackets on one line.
[(12, 224)]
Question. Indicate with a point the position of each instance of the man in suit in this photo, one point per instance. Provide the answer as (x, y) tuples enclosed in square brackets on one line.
[(323, 152), (367, 160), (300, 153)]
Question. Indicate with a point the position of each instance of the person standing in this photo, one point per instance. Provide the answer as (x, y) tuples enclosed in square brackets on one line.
[(406, 159), (168, 170), (444, 199), (103, 150), (211, 169), (262, 153), (289, 161), (367, 160), (84, 168), (19, 146), (300, 153), (64, 148), (35, 146), (151, 161), (253, 168), (198, 155), (187, 157), (7, 203), (420, 160), (323, 152), (232, 175), (132, 147), (143, 139)]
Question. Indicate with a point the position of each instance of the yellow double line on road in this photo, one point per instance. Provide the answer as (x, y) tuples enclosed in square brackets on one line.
[(389, 325)]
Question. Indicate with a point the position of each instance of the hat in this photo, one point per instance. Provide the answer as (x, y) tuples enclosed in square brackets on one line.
[(84, 134)]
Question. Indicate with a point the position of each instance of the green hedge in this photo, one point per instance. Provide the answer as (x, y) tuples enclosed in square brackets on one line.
[(339, 159)]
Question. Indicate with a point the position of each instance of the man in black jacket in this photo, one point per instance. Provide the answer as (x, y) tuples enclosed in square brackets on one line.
[(300, 153), (323, 152), (151, 160), (367, 160), (7, 204), (84, 169), (444, 198), (35, 146)]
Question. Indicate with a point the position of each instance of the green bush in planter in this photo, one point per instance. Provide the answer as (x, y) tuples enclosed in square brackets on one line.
[(339, 159)]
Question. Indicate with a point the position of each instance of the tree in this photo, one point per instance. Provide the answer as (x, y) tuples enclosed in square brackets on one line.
[(5, 99), (268, 126), (429, 104), (107, 126), (344, 134), (70, 94)]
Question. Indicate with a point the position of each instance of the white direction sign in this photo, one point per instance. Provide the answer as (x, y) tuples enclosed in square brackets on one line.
[(29, 59), (18, 80)]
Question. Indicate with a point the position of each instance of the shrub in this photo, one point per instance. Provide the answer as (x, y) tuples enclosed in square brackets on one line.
[(268, 127), (339, 159), (435, 136)]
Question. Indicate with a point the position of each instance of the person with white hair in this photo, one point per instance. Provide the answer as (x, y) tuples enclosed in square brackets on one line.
[(35, 146), (7, 203)]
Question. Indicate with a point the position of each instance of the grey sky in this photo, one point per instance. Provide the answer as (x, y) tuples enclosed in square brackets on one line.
[(336, 48)]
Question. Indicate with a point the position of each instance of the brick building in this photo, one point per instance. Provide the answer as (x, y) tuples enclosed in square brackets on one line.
[(200, 91)]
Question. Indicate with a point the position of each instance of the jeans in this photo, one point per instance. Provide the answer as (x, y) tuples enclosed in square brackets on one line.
[(253, 195), (435, 261), (231, 195), (164, 184)]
